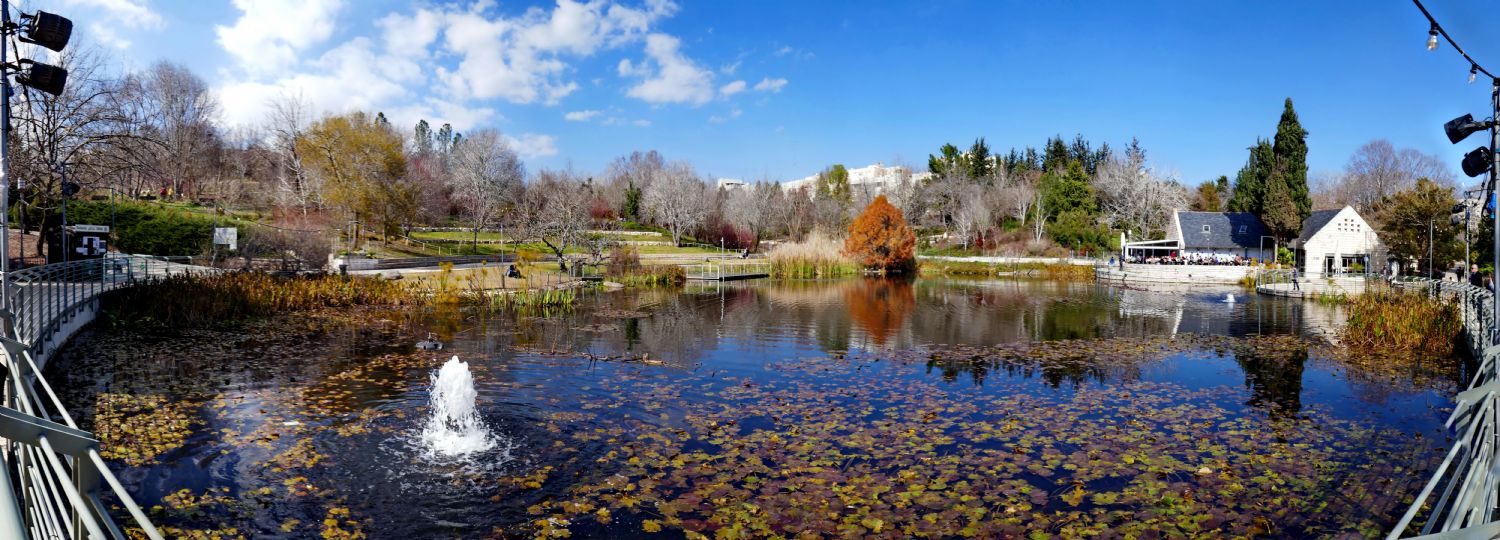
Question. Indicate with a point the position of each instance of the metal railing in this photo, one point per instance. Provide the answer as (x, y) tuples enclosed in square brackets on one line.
[(55, 475), (1470, 472), (718, 270)]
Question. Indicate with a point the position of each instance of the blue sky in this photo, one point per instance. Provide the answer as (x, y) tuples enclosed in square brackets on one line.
[(779, 89)]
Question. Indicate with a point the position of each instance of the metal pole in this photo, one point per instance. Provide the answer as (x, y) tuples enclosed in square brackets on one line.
[(4, 162), (1495, 145)]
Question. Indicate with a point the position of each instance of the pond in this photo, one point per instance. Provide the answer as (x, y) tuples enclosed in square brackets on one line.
[(865, 408)]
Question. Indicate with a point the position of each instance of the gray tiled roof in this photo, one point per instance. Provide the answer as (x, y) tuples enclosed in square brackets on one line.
[(1314, 222), (1226, 230)]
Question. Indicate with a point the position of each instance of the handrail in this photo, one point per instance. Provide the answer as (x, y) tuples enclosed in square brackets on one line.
[(1467, 504), (55, 472)]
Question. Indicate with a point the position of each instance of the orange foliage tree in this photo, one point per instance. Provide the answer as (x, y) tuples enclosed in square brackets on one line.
[(880, 239)]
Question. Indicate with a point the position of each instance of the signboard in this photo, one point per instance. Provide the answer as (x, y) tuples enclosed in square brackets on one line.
[(90, 247), (96, 229), (226, 236)]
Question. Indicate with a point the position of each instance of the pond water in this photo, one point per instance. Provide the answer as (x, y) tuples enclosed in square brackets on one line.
[(865, 408)]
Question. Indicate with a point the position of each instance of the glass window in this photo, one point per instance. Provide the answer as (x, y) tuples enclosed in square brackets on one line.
[(1205, 229)]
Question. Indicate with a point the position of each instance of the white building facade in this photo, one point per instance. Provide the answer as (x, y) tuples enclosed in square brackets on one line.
[(875, 179), (1339, 242)]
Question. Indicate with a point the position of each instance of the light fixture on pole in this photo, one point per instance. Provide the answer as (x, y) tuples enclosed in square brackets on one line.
[(1473, 72), (1432, 38), (46, 30)]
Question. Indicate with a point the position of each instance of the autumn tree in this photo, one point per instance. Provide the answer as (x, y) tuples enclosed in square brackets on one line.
[(362, 166), (880, 239)]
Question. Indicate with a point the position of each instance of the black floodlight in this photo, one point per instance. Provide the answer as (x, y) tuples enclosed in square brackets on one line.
[(47, 78), (70, 189), (1460, 128), (46, 29), (1477, 162)]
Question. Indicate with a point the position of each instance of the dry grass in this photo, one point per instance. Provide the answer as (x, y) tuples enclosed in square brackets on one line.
[(816, 256)]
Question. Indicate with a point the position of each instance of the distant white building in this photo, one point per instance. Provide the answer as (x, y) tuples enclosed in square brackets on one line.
[(1338, 241), (876, 179), (731, 183)]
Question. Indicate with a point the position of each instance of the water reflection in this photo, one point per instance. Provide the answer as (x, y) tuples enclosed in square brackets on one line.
[(1274, 378)]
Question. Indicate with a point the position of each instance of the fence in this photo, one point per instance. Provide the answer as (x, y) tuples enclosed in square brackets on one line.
[(1466, 505), (728, 269), (53, 469)]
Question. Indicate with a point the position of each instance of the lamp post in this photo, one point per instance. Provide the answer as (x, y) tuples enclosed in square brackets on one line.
[(47, 30)]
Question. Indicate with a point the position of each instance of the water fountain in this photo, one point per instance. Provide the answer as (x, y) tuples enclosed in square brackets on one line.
[(1228, 298), (454, 429)]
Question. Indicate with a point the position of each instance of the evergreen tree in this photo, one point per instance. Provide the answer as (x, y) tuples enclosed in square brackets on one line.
[(380, 120), (632, 208), (980, 167), (1290, 150), (1250, 183), (445, 139), (1055, 155), (1280, 212), (1069, 190), (422, 137), (948, 161), (833, 183)]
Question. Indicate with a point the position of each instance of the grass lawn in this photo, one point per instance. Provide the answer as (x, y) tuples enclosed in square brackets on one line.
[(455, 235)]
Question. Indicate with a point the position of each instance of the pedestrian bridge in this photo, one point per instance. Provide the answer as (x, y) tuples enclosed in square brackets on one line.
[(1460, 500), (60, 487)]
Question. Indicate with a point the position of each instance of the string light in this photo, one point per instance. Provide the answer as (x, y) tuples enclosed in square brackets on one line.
[(1432, 42)]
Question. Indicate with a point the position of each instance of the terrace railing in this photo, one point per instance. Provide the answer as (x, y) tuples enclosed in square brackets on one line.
[(57, 480), (1461, 499)]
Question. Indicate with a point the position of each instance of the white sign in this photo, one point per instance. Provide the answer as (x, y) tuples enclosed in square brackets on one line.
[(101, 229), (226, 236), (92, 246)]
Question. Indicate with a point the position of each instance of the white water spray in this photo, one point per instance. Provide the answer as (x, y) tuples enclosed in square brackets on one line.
[(454, 429), (1228, 298)]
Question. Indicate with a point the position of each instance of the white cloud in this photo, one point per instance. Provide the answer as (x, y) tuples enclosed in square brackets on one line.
[(532, 145), (522, 59), (641, 123), (732, 88), (785, 50), (582, 116), (270, 34), (721, 119), (729, 69), (676, 79), (107, 17), (770, 85)]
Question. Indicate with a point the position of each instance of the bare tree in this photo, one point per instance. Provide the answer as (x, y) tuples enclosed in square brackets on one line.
[(677, 199), (83, 133), (628, 178), (287, 124), (486, 178), (184, 110), (1132, 197), (1378, 169), (555, 210), (973, 215)]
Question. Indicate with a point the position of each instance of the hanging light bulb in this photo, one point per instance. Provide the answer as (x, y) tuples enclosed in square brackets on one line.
[(1473, 72), (1432, 38)]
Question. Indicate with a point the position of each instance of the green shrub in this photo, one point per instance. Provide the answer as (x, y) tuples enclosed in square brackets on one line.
[(149, 229)]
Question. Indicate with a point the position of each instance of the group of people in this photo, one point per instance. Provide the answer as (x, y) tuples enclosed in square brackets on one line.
[(1213, 259)]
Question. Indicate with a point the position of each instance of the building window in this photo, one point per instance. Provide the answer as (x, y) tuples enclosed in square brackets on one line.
[(1242, 229), (1205, 229)]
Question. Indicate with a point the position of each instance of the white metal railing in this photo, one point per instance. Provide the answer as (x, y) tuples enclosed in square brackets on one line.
[(1466, 505), (53, 469), (718, 270)]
